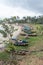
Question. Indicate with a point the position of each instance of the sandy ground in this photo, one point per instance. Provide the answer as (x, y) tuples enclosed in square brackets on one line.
[(16, 33)]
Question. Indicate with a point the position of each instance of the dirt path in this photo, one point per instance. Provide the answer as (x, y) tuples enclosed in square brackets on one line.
[(31, 60), (16, 33)]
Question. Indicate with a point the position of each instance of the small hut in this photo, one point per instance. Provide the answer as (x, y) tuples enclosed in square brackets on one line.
[(27, 29), (21, 43), (13, 40)]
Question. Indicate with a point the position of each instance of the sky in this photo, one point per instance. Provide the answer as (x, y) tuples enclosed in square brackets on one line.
[(21, 8)]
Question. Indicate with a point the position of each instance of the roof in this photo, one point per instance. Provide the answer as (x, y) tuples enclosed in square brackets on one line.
[(14, 38), (27, 28)]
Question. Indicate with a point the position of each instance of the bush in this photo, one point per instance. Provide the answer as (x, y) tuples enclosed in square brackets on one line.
[(4, 33)]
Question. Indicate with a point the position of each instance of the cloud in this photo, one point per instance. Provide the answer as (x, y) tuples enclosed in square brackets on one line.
[(6, 11), (21, 8), (34, 5)]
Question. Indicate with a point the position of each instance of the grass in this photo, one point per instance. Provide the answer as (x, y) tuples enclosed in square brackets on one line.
[(32, 41), (4, 56), (35, 58), (20, 47), (37, 54)]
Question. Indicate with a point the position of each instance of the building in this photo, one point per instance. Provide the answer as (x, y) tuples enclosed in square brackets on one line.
[(27, 29)]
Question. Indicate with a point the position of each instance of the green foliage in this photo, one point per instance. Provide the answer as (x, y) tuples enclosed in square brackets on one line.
[(4, 33), (4, 56), (6, 28), (28, 19), (10, 47)]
